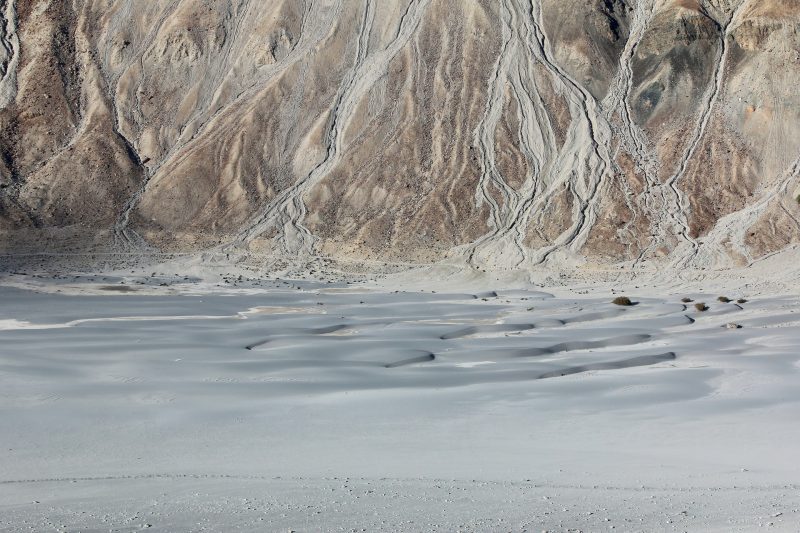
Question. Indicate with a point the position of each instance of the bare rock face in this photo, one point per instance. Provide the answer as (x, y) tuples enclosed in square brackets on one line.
[(588, 39), (498, 133)]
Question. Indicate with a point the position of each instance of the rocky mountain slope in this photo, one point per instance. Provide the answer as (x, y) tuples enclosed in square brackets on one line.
[(500, 133)]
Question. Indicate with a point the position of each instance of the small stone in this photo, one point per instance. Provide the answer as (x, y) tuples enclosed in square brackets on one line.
[(731, 325)]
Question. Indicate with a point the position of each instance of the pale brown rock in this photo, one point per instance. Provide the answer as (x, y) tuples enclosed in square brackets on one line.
[(500, 133)]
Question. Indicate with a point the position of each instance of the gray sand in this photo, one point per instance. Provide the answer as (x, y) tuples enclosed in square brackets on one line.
[(510, 410)]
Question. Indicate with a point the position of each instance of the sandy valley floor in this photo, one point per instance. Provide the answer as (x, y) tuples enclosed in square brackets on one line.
[(314, 407)]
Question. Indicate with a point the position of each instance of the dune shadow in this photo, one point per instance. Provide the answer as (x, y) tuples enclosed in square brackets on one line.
[(424, 358), (489, 328), (300, 332), (644, 360), (570, 346)]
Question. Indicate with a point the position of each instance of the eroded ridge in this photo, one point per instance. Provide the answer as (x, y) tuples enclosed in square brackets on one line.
[(9, 52), (578, 166), (211, 105), (499, 135), (286, 213), (681, 207)]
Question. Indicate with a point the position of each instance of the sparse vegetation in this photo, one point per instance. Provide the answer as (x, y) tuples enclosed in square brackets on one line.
[(701, 306), (686, 300), (622, 300), (724, 299)]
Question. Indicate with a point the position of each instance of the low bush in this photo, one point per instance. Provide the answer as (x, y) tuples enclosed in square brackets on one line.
[(622, 300), (700, 306), (724, 299)]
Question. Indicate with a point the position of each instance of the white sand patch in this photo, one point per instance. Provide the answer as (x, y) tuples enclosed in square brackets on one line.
[(11, 323), (474, 364), (273, 310)]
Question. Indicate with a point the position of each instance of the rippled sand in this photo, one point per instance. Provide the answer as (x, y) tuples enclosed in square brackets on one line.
[(477, 411)]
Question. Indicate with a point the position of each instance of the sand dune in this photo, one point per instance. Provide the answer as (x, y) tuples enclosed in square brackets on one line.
[(540, 409)]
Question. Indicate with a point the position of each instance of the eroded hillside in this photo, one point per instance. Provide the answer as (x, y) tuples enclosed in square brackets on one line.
[(501, 133)]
